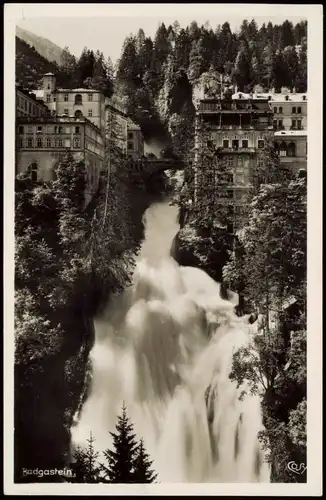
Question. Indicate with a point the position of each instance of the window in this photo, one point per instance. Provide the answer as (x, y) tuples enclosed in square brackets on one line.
[(291, 149), (90, 97), (21, 130), (30, 108), (29, 143), (39, 129), (32, 170), (275, 124), (261, 143), (76, 143), (294, 110), (280, 124), (65, 98), (60, 143), (66, 111), (48, 143), (90, 112), (286, 97), (78, 99), (130, 136), (225, 143), (77, 130), (25, 105), (78, 114), (39, 143), (275, 109), (49, 86), (59, 130), (48, 97), (280, 110), (304, 98), (235, 144), (20, 143), (130, 145), (245, 143), (299, 110), (293, 124), (299, 124), (283, 149)]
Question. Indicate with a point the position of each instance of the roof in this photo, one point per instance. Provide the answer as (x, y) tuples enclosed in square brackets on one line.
[(31, 95), (91, 91), (232, 105), (133, 126), (292, 133), (274, 97), (39, 93)]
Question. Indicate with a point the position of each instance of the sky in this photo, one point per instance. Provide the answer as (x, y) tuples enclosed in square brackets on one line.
[(107, 33)]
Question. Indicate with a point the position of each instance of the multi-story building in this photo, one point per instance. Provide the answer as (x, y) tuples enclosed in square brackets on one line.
[(135, 143), (289, 123), (73, 102), (52, 121), (289, 108), (28, 105), (238, 129), (292, 148), (116, 116), (41, 140), (290, 111)]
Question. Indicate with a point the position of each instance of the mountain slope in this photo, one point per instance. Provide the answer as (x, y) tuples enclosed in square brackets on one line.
[(45, 47)]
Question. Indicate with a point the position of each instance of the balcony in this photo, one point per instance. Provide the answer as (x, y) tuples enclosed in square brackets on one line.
[(238, 150)]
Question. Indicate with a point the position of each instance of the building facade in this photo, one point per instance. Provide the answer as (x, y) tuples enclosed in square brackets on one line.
[(119, 119), (41, 141), (237, 129), (135, 143), (292, 148), (28, 105), (290, 111), (289, 108), (73, 102)]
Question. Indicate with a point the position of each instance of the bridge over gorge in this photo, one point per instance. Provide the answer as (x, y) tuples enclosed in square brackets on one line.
[(148, 166)]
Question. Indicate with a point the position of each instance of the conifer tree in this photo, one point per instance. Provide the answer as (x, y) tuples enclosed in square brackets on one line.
[(142, 466), (85, 465), (120, 460)]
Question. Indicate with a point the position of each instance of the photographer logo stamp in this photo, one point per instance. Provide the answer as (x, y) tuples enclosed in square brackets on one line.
[(297, 468)]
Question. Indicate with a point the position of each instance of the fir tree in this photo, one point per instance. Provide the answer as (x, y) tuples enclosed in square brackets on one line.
[(120, 460), (85, 464), (142, 466)]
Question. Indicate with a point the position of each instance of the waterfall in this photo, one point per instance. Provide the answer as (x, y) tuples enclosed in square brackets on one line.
[(165, 347)]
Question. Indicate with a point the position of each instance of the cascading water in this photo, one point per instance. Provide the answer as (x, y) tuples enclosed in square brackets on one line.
[(165, 347)]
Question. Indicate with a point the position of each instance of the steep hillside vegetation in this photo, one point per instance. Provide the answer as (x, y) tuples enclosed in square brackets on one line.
[(30, 65), (45, 47)]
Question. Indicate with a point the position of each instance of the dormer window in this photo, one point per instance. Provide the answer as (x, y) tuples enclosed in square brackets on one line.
[(286, 97), (304, 98)]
